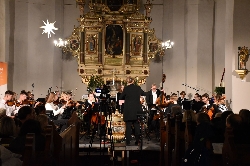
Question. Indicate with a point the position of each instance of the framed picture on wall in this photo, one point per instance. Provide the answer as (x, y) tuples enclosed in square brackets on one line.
[(136, 44), (242, 57), (114, 40), (91, 43)]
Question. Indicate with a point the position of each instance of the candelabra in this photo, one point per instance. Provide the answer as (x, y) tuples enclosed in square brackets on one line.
[(167, 44), (61, 44)]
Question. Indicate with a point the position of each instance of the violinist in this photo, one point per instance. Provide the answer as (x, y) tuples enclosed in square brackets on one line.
[(181, 98), (173, 98), (4, 102), (197, 103), (69, 104), (50, 106), (21, 101)]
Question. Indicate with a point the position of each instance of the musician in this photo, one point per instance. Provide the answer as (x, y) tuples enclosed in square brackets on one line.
[(207, 102), (70, 105), (50, 106), (119, 107), (197, 103), (155, 124), (181, 98), (143, 103), (131, 94), (220, 102), (89, 110), (209, 105), (19, 103), (3, 103), (151, 98), (173, 98)]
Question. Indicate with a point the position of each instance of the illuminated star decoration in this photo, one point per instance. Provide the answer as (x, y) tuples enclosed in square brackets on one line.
[(48, 28)]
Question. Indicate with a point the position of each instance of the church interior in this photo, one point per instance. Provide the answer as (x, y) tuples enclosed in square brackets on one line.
[(195, 48)]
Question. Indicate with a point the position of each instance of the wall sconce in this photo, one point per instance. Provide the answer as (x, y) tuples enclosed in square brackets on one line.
[(167, 44), (242, 59)]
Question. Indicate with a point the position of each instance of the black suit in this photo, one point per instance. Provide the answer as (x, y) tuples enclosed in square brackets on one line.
[(197, 105), (131, 94), (180, 100), (149, 97), (149, 100)]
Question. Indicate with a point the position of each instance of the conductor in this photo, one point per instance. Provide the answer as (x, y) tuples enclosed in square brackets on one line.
[(131, 94)]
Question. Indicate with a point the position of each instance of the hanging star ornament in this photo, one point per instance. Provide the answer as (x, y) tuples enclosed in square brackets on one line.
[(48, 28)]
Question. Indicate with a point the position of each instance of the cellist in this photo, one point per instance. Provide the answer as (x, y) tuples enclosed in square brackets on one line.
[(210, 108)]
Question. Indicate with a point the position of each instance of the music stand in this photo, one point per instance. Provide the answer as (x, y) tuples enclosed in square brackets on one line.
[(186, 104)]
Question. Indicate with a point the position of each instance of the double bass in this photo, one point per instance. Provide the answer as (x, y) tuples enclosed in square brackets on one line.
[(161, 102)]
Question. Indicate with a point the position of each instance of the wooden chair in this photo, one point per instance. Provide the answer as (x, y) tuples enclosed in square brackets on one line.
[(179, 142)]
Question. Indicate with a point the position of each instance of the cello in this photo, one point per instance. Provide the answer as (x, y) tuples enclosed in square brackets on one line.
[(161, 102)]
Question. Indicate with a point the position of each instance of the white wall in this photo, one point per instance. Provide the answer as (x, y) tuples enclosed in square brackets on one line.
[(34, 58), (206, 36), (241, 33)]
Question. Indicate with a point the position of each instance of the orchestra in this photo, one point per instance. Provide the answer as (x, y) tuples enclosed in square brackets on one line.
[(60, 106)]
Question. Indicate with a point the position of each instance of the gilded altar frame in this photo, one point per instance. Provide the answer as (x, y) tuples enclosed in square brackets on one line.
[(114, 44)]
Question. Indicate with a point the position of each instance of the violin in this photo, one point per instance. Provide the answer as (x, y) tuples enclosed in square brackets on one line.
[(63, 102), (10, 103), (28, 102)]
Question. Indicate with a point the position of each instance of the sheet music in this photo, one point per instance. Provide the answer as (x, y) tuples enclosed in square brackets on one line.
[(121, 102)]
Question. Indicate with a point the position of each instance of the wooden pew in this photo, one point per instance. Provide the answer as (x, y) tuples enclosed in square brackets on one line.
[(179, 142), (60, 149), (163, 138), (168, 145), (188, 135), (32, 157), (29, 153), (235, 154), (65, 146)]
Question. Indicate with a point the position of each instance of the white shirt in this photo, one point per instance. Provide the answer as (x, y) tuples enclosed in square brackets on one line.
[(9, 109), (17, 108), (222, 107), (154, 97), (56, 110)]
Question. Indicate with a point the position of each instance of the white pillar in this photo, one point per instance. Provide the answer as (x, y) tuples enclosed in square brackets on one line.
[(238, 25), (191, 46)]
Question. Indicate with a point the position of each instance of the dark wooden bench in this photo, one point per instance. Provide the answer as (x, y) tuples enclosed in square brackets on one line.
[(60, 149), (235, 154)]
